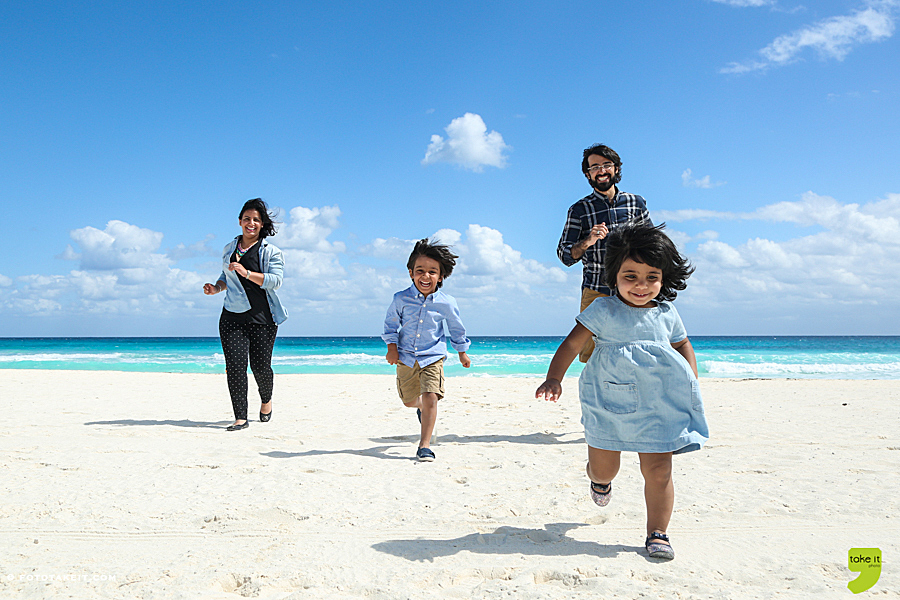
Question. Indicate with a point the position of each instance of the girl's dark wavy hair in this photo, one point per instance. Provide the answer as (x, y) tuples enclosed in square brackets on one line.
[(647, 244), (268, 218), (439, 252)]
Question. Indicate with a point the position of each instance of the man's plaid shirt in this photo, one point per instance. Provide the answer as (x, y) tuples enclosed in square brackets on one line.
[(593, 210)]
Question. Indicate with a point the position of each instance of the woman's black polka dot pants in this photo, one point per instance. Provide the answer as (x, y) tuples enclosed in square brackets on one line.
[(241, 341)]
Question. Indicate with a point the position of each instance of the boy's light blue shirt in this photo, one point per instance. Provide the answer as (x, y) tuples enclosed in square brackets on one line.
[(416, 324), (271, 261)]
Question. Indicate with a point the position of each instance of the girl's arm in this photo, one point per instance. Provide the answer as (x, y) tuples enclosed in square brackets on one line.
[(551, 389), (685, 349)]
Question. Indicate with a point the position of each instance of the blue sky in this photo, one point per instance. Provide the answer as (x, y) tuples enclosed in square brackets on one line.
[(765, 133)]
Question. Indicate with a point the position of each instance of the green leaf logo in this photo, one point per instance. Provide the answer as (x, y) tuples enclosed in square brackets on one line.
[(866, 562)]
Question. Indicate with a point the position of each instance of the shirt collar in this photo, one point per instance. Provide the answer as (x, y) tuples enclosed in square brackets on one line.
[(605, 200), (415, 293)]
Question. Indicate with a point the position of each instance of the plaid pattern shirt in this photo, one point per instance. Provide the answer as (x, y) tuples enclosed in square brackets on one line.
[(593, 210)]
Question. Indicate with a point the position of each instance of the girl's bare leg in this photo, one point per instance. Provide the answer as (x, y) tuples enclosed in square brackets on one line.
[(659, 491), (603, 465)]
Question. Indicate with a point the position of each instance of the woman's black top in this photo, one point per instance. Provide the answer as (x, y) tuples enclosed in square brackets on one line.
[(259, 304)]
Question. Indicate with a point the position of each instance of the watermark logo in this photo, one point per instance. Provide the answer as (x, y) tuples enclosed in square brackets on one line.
[(866, 562)]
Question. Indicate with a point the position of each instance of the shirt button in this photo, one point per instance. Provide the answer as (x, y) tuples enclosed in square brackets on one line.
[(420, 320), (417, 335)]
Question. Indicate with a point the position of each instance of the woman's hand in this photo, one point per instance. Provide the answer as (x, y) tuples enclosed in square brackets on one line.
[(211, 288), (238, 268), (550, 390)]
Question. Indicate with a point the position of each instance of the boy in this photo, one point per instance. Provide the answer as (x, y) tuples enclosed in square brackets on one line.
[(414, 333)]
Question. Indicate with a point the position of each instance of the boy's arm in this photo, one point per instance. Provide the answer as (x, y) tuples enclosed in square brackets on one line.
[(551, 389), (391, 335), (685, 349), (458, 339), (464, 359), (393, 356)]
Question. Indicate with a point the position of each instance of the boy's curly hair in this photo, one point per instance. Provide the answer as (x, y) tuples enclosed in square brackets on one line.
[(647, 244), (439, 252)]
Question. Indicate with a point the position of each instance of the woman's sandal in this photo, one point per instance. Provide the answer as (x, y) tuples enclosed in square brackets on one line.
[(658, 550), (600, 492)]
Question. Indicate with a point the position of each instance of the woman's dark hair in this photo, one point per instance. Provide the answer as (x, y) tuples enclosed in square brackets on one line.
[(607, 153), (259, 206), (647, 244), (439, 252)]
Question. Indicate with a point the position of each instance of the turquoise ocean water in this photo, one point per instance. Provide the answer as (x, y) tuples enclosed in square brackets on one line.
[(768, 357)]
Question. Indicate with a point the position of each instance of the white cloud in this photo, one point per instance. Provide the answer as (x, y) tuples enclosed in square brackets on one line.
[(398, 249), (692, 214), (34, 295), (490, 276), (308, 253), (682, 239), (304, 264), (877, 221), (120, 245), (704, 183), (468, 145), (845, 262), (120, 272), (494, 267), (201, 248), (832, 38), (308, 229), (844, 259), (390, 249), (447, 236), (327, 290)]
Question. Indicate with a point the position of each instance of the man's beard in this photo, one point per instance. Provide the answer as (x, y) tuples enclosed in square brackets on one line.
[(604, 186)]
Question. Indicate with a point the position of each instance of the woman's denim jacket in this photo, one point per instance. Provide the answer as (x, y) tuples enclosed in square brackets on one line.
[(272, 263)]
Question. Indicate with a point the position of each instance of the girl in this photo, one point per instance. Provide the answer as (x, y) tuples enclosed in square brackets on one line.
[(639, 389), (252, 271)]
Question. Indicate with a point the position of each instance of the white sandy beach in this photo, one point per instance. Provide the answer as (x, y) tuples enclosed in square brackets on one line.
[(125, 485)]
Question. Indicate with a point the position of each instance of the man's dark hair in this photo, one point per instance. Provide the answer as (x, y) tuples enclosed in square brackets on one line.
[(438, 252), (257, 204), (607, 153), (647, 244)]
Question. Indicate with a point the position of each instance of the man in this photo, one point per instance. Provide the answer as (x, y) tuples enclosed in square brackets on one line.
[(590, 219)]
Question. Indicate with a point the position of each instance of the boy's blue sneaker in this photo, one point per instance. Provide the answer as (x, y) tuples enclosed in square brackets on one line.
[(425, 455), (419, 415)]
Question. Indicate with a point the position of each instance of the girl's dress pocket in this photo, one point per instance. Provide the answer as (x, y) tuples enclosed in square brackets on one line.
[(619, 398)]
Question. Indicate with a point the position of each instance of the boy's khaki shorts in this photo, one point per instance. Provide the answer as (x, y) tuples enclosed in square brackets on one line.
[(414, 381)]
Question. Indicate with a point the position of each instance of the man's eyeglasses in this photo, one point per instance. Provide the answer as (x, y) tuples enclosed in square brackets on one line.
[(604, 167)]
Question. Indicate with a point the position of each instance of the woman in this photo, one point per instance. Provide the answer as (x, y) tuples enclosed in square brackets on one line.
[(252, 271)]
